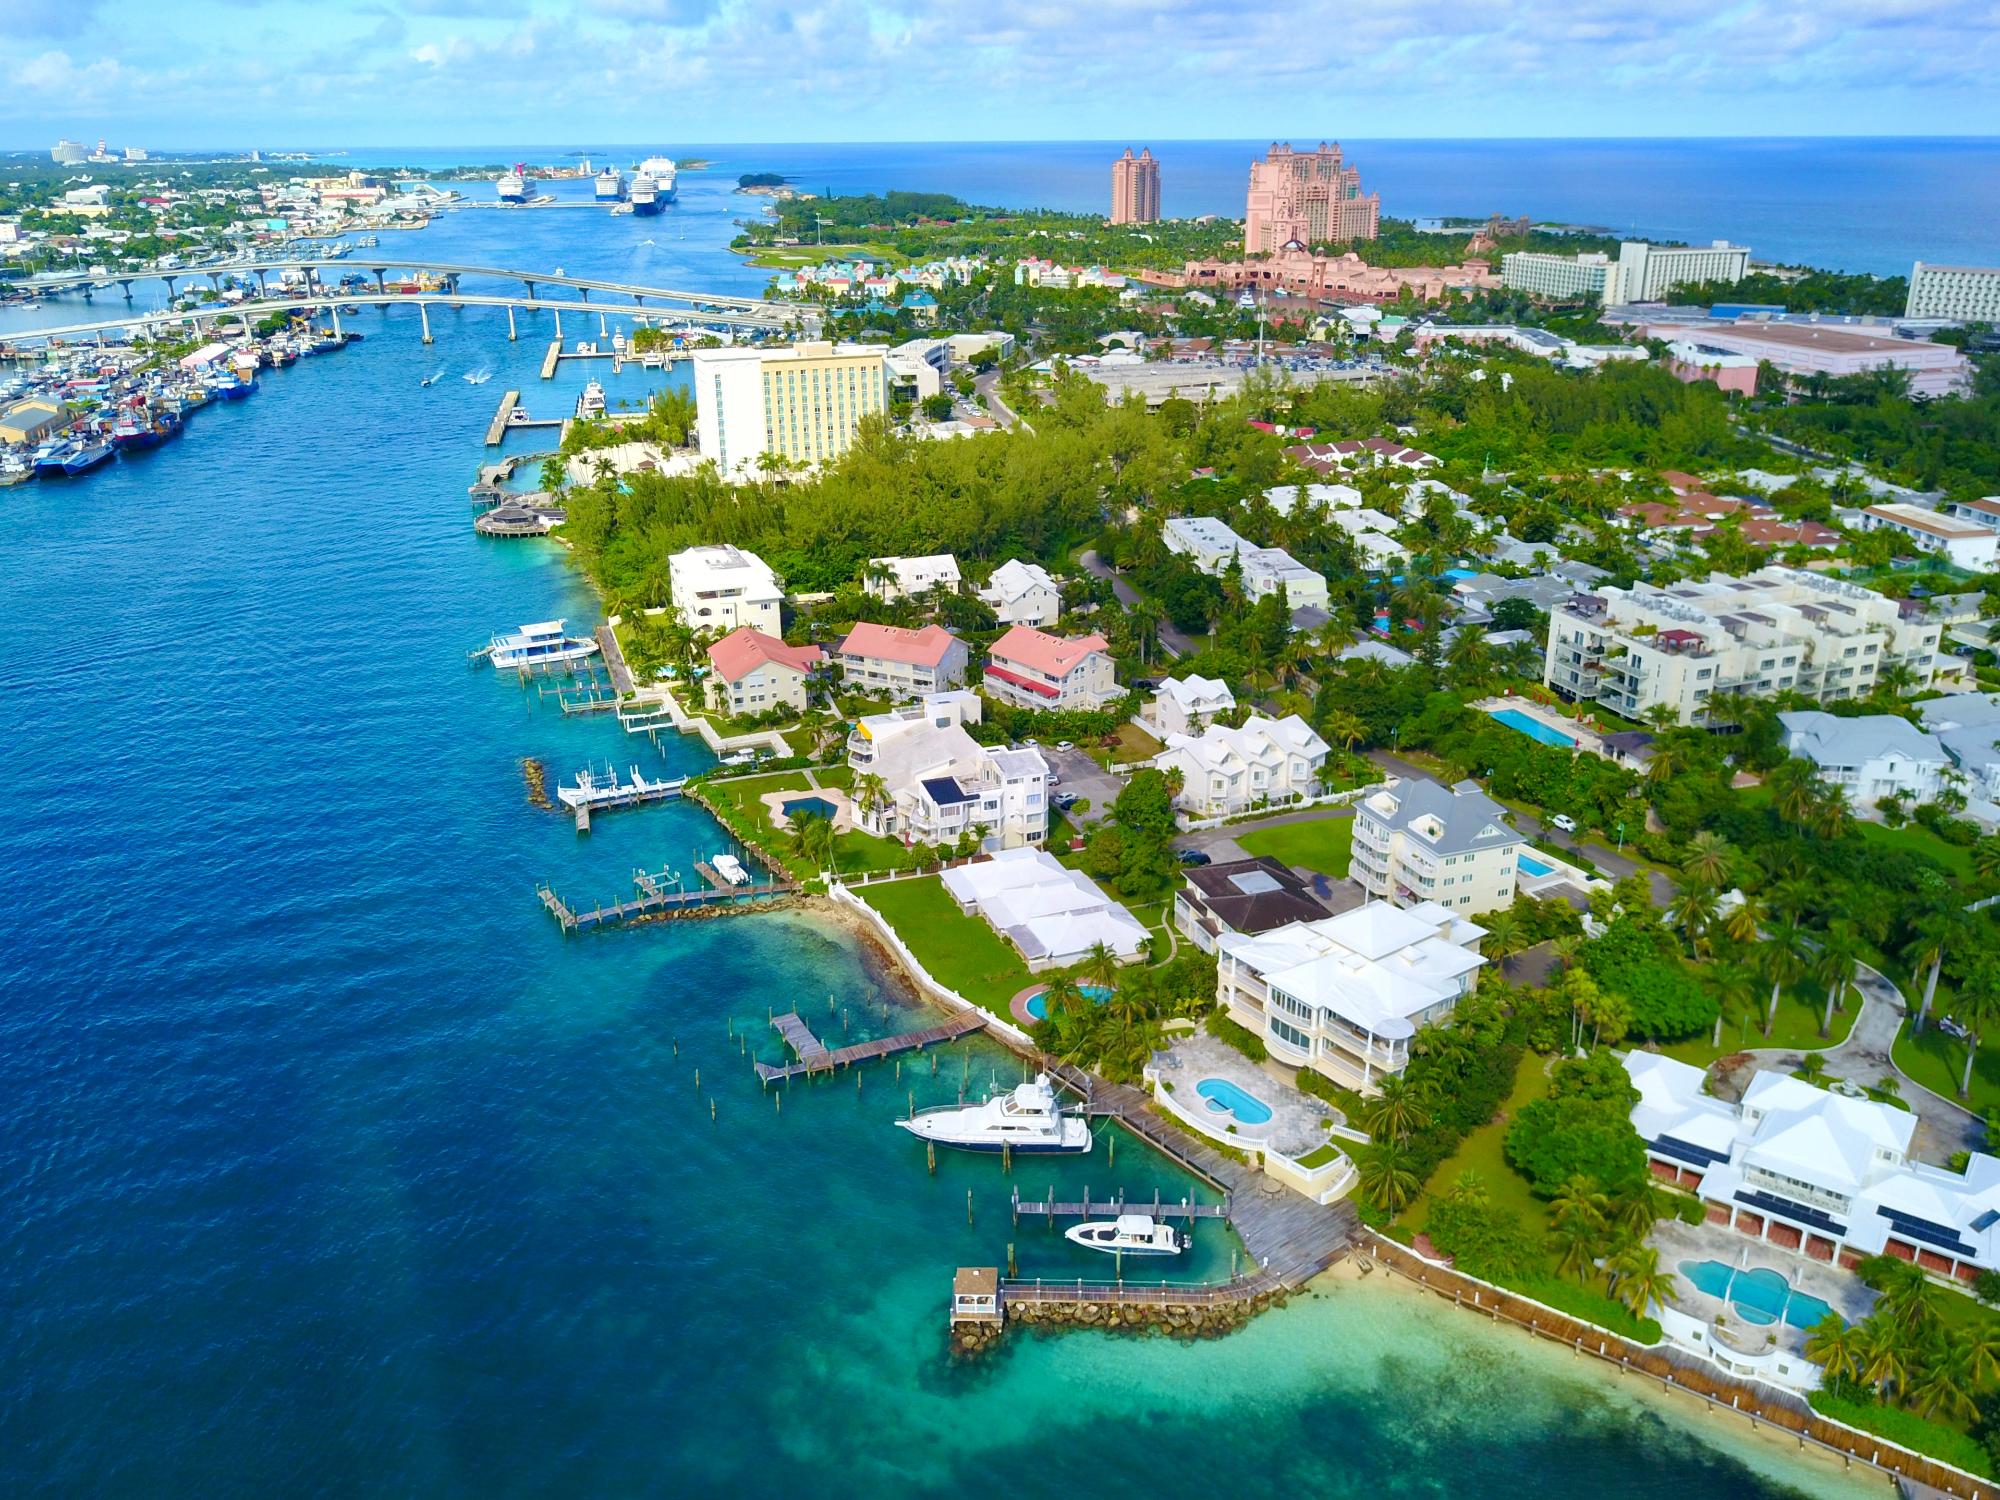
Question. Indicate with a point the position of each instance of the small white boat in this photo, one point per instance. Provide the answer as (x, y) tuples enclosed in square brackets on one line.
[(730, 868), (480, 379), (1025, 1119), (1128, 1234), (535, 644)]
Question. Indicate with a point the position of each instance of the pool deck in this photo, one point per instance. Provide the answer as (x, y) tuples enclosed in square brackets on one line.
[(1548, 718), (1676, 1242), (843, 807), (1298, 1123)]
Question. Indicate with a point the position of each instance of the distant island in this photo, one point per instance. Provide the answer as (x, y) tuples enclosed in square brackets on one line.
[(761, 180)]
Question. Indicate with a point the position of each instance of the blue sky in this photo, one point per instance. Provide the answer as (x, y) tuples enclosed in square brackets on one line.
[(193, 73)]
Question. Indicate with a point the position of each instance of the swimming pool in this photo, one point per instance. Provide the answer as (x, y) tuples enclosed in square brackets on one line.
[(1225, 1098), (1038, 1006), (1533, 728), (1534, 866), (811, 807), (1758, 1296)]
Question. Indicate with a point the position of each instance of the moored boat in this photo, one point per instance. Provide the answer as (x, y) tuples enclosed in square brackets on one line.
[(534, 645), (591, 402), (88, 455), (1128, 1234), (1025, 1119)]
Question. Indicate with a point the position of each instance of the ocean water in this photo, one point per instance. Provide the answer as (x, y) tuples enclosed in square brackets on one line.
[(330, 1167)]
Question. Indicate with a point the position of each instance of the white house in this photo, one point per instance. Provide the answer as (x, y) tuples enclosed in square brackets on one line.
[(1962, 543), (1415, 842), (1023, 593), (720, 587), (1034, 670), (1320, 497), (892, 578), (902, 663), (1967, 725), (1226, 771), (1815, 1172), (1272, 570), (754, 673), (1881, 755), (1344, 995), (1203, 541), (1186, 705), (1054, 915), (936, 781)]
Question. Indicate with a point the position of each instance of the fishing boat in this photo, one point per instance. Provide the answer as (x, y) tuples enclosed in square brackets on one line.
[(135, 430), (534, 645), (1128, 1234), (730, 868), (88, 455), (519, 414), (15, 471), (1024, 1119)]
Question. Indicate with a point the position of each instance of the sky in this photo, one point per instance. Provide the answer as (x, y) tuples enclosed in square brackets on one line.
[(195, 74)]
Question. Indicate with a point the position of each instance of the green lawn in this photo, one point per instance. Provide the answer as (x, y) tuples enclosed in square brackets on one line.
[(960, 951), (1937, 1062), (1799, 1012), (1134, 745), (1321, 845), (1482, 1152), (1914, 838)]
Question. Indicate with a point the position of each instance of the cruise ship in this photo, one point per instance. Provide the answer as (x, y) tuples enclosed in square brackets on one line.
[(610, 185), (513, 185), (663, 171), (644, 193)]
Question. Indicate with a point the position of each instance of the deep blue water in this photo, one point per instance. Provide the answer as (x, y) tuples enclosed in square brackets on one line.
[(330, 1168)]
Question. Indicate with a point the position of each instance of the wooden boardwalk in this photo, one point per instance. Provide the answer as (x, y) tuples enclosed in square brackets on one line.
[(1090, 1208), (657, 899), (614, 661), (549, 360), (498, 428), (814, 1056)]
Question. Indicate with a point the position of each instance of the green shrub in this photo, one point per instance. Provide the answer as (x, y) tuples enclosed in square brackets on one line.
[(1690, 1210), (1905, 1427), (1241, 1038)]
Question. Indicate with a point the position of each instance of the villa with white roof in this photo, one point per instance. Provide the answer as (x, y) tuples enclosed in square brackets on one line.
[(1187, 705), (1054, 915), (893, 578), (1415, 842), (1271, 570), (937, 781), (1032, 669), (1815, 1172), (720, 587), (1023, 593), (1226, 771), (1967, 725), (1344, 995), (1869, 758), (1203, 541)]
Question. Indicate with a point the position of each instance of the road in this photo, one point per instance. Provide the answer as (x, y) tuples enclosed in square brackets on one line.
[(987, 388), (1174, 642)]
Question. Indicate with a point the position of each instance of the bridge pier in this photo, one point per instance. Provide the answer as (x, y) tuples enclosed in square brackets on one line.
[(602, 331), (559, 325), (379, 286), (531, 289), (263, 288), (336, 320), (169, 280), (424, 311), (243, 322), (512, 335)]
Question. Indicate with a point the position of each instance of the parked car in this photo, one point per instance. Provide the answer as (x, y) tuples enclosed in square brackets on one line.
[(1196, 857), (1065, 744), (1563, 821)]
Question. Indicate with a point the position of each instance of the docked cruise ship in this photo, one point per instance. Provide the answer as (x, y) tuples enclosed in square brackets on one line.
[(664, 171), (644, 193), (610, 185), (513, 185)]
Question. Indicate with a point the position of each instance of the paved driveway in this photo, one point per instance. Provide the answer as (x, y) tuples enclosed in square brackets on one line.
[(1084, 777)]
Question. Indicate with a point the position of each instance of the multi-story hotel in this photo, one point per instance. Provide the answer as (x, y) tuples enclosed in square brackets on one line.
[(1559, 278), (1415, 842), (1306, 197), (1642, 272), (1970, 293), (1344, 995), (1135, 188), (721, 587), (1780, 629), (801, 402)]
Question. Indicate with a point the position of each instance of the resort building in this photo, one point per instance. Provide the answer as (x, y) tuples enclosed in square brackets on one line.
[(1416, 842), (1881, 755), (1226, 771), (753, 673), (1557, 278), (1642, 272), (1967, 294), (720, 587), (1689, 361), (893, 578), (1306, 198), (1135, 188), (1815, 1172), (1242, 897), (1054, 915), (1778, 629), (801, 402), (1964, 544), (919, 777), (1023, 593), (1807, 349), (1344, 995), (1967, 726), (1188, 705), (1984, 512), (896, 662), (1034, 670)]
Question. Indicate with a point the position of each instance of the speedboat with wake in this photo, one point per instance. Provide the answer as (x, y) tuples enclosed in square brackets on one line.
[(1128, 1234), (1025, 1119)]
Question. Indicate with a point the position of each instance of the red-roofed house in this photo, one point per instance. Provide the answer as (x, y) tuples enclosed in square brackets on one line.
[(755, 673), (1036, 670), (902, 663)]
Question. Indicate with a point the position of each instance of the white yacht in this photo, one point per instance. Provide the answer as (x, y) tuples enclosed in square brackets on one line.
[(591, 402), (1128, 1234), (663, 170), (533, 645), (1026, 1119)]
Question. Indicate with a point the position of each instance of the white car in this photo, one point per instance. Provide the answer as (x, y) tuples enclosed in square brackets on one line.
[(1563, 821), (1065, 744)]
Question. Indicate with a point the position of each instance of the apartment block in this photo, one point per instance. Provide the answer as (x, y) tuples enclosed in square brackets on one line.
[(896, 662), (1966, 293), (1416, 841)]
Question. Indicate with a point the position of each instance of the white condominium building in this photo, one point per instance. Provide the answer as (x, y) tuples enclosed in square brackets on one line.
[(800, 401), (721, 587), (1226, 771), (1560, 278), (1344, 995), (1968, 293), (1642, 272), (892, 578), (1415, 841), (1203, 541), (1963, 543), (1777, 629), (1209, 544), (936, 781), (1187, 705)]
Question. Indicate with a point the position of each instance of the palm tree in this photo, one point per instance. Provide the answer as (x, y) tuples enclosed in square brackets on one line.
[(1986, 857), (1503, 935), (1839, 951), (1978, 1007), (1100, 966), (1397, 1110), (1347, 730), (1944, 1383), (1579, 1213), (1387, 1177), (812, 839), (1781, 960), (1795, 791), (1837, 1347), (1885, 1355), (871, 793), (1641, 1279), (1709, 859), (1693, 910), (1929, 938), (1745, 922)]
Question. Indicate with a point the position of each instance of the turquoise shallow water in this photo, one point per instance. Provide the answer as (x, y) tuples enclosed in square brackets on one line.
[(331, 1168)]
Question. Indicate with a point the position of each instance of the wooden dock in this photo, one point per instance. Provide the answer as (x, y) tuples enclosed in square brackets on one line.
[(660, 897), (1096, 1208), (814, 1056), (498, 429), (550, 359)]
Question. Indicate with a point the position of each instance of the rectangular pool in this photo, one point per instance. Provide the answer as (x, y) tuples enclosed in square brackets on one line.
[(1533, 728), (1534, 866)]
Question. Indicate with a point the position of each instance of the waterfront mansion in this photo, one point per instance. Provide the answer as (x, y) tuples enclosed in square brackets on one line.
[(754, 673), (720, 587), (918, 776), (1344, 995)]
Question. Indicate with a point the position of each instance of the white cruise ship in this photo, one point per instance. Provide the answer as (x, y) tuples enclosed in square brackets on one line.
[(1025, 1119), (644, 193), (513, 185), (533, 645), (610, 185), (664, 171)]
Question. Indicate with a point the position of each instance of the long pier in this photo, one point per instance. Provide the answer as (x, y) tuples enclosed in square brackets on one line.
[(814, 1056), (549, 360), (659, 898), (498, 429), (1052, 1209)]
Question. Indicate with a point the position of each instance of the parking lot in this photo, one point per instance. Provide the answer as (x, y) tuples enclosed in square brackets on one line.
[(1083, 777)]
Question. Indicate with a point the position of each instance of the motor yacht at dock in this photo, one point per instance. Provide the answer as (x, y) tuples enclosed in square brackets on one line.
[(534, 645), (1025, 1119), (1128, 1234)]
